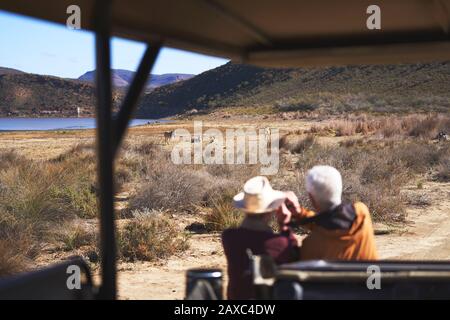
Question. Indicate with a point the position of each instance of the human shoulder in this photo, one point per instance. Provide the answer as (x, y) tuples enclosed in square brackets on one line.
[(361, 208), (230, 232)]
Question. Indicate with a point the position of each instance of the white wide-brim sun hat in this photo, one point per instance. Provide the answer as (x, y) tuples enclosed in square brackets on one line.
[(258, 197)]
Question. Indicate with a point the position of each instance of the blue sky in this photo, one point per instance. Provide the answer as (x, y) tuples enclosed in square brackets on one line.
[(39, 47)]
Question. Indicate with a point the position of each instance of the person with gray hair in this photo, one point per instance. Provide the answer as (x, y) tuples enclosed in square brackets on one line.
[(324, 186), (338, 230)]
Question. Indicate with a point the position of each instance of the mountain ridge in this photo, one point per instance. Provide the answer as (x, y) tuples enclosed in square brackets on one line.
[(4, 70), (122, 78), (234, 88), (372, 88), (35, 95)]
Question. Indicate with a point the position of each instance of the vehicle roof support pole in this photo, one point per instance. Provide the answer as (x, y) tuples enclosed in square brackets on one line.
[(131, 99), (104, 148)]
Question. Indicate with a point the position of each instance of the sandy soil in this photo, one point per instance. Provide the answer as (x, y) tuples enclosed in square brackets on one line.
[(423, 237), (167, 281)]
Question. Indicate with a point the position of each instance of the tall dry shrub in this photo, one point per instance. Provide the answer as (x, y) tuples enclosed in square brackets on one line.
[(222, 214), (150, 236), (367, 176)]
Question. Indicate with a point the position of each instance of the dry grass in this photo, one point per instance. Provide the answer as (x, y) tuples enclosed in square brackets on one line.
[(150, 236), (418, 200), (300, 145), (12, 260), (368, 177), (222, 214), (31, 194), (353, 126), (37, 197), (375, 180), (358, 142), (147, 148), (167, 186), (425, 126), (73, 236), (16, 246), (443, 170), (171, 187)]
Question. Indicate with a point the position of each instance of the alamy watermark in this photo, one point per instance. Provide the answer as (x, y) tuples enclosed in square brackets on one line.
[(235, 146), (374, 278), (74, 279), (74, 19), (373, 22)]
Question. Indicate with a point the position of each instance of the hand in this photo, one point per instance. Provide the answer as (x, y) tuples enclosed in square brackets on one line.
[(288, 208), (292, 203)]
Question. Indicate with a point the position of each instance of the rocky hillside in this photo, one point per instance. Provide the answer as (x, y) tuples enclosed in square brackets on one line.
[(24, 94), (243, 88), (9, 71), (385, 88)]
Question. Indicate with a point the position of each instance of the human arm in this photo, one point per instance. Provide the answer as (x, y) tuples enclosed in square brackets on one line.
[(291, 212)]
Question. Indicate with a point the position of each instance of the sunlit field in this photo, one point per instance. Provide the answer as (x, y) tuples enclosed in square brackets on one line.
[(169, 216)]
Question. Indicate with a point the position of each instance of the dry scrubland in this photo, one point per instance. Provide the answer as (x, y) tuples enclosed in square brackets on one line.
[(48, 207)]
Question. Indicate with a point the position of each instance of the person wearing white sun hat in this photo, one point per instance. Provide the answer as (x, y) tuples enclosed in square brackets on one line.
[(258, 197), (259, 202)]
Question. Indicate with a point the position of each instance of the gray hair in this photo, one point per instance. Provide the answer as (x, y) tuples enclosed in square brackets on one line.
[(324, 183)]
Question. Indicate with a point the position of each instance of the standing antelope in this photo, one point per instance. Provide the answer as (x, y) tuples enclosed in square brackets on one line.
[(442, 136), (168, 135), (267, 133)]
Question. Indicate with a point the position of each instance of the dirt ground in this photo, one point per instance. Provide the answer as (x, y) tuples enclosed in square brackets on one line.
[(424, 236)]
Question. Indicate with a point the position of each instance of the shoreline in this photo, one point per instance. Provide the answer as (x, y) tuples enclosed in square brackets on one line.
[(72, 128)]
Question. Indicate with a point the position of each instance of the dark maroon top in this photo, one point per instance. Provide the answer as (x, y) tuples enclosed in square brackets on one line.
[(282, 248)]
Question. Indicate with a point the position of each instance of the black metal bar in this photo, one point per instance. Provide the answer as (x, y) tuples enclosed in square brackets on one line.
[(130, 102), (48, 283), (104, 148)]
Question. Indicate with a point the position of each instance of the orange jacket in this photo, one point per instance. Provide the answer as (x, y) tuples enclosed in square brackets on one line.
[(356, 243)]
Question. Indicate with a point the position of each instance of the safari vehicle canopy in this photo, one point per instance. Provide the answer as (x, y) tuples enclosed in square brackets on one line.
[(262, 32)]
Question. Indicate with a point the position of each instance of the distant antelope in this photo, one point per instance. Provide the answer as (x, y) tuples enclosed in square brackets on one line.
[(442, 136), (267, 133), (168, 135)]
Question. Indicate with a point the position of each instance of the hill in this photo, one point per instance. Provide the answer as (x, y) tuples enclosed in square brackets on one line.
[(237, 88), (25, 94), (122, 78), (379, 88), (9, 71)]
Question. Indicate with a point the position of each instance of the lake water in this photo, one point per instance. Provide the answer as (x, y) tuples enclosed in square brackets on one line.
[(22, 124)]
